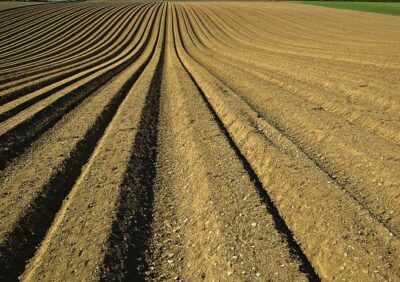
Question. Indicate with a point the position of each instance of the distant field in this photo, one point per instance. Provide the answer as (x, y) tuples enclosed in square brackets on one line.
[(10, 5), (198, 141), (375, 7)]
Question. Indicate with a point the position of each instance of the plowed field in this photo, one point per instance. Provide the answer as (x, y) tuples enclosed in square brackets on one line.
[(199, 141)]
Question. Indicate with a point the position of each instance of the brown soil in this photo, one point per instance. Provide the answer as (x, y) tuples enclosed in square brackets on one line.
[(198, 141)]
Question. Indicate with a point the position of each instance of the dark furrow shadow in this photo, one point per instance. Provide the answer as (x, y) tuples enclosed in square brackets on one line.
[(32, 227), (49, 66), (25, 69), (46, 36), (131, 231), (14, 142), (324, 168), (280, 224), (31, 88)]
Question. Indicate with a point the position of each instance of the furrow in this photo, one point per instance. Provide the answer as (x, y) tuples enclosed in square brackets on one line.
[(31, 29), (89, 40), (17, 133), (31, 21), (31, 39), (89, 256), (74, 139), (57, 41), (63, 47), (198, 142), (115, 47), (333, 150), (352, 87), (8, 8), (377, 123), (131, 26), (212, 199), (282, 176), (17, 24)]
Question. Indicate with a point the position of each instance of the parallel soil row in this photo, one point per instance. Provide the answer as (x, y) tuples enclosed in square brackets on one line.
[(10, 5), (198, 141)]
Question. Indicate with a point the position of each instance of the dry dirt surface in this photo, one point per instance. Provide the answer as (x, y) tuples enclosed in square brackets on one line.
[(12, 5), (199, 141)]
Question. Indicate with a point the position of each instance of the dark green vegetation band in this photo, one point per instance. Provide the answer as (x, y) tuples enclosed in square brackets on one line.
[(375, 7)]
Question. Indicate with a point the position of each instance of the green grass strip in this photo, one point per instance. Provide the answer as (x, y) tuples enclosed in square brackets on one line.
[(375, 7)]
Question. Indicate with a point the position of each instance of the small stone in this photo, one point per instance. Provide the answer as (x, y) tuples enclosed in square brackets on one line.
[(254, 224)]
